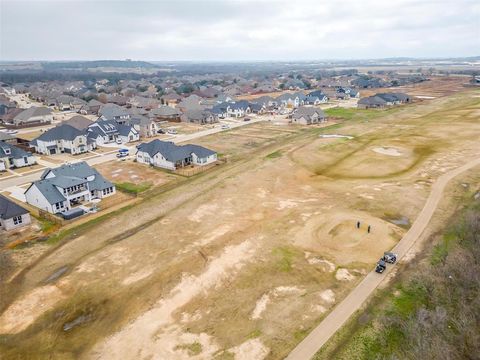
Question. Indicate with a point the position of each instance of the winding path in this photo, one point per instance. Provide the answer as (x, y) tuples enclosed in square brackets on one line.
[(342, 312)]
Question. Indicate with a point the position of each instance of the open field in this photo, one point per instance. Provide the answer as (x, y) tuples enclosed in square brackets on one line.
[(130, 172), (437, 86), (240, 261)]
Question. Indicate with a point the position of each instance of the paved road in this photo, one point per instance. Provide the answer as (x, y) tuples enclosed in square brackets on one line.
[(95, 160), (342, 312)]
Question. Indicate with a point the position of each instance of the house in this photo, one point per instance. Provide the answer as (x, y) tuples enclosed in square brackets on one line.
[(110, 131), (382, 100), (12, 216), (92, 107), (319, 94), (63, 138), (14, 157), (62, 188), (220, 110), (78, 122), (165, 113), (169, 156), (238, 109), (33, 116), (265, 100), (113, 112), (199, 116), (371, 102), (308, 115), (145, 126), (291, 100)]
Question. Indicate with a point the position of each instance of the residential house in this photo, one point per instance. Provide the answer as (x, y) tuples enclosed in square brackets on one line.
[(165, 113), (199, 116), (33, 116), (319, 94), (78, 122), (169, 156), (92, 107), (110, 131), (145, 126), (63, 138), (371, 102), (308, 115), (113, 112), (12, 215), (14, 157), (62, 188), (238, 109)]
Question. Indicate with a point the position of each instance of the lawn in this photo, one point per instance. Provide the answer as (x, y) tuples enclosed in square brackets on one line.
[(132, 188)]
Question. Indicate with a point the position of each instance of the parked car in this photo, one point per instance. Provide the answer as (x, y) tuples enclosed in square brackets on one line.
[(160, 131), (172, 131), (11, 132), (118, 141), (225, 126), (247, 119), (381, 266), (389, 257)]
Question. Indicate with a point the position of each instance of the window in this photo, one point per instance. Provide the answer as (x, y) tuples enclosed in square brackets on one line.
[(58, 205), (17, 220)]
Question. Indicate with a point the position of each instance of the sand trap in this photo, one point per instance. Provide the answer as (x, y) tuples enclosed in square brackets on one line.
[(344, 275), (137, 276), (260, 307), (145, 336), (252, 349), (328, 296), (389, 151), (27, 309), (280, 291)]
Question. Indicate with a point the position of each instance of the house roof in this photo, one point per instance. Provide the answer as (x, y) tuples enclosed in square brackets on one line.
[(4, 136), (372, 100), (173, 152), (165, 111), (110, 111), (78, 122), (31, 112), (69, 175), (60, 132), (9, 209), (307, 112), (15, 152)]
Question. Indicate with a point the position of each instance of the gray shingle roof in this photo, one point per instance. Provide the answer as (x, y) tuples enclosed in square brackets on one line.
[(173, 152), (9, 209), (15, 152), (61, 132), (31, 112)]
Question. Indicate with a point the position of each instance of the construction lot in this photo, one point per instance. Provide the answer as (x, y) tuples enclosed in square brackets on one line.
[(241, 261)]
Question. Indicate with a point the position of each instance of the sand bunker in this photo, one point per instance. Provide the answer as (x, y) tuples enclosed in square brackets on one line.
[(335, 236), (344, 275), (27, 309), (142, 338), (390, 151), (252, 349)]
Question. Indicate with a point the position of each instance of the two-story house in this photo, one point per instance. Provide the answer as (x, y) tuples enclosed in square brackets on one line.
[(62, 188), (63, 139)]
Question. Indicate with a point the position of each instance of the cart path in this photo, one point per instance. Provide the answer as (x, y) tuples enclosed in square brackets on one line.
[(348, 306)]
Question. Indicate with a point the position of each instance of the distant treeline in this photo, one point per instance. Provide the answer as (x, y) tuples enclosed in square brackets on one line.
[(96, 64)]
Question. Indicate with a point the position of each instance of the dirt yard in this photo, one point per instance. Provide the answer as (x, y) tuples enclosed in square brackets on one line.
[(242, 261), (131, 172)]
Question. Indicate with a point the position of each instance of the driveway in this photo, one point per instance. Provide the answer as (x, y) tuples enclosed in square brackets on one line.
[(357, 297)]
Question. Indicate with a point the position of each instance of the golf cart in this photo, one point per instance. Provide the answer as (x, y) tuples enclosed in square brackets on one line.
[(381, 266), (389, 257)]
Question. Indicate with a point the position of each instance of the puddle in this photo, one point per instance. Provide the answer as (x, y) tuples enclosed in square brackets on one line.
[(82, 319), (57, 274), (402, 221)]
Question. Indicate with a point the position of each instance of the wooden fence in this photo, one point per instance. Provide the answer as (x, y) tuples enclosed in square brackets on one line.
[(194, 170)]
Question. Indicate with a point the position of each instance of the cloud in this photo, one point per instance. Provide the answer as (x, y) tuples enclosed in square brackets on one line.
[(236, 30)]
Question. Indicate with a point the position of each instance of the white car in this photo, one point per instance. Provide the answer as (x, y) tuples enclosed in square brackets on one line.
[(172, 132), (118, 141), (225, 126)]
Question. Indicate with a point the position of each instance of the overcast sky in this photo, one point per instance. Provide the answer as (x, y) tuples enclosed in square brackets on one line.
[(237, 30)]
